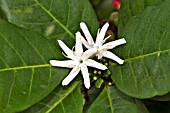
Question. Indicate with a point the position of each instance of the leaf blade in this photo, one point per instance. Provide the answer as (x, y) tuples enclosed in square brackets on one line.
[(145, 72), (53, 19), (23, 73), (59, 98), (111, 100)]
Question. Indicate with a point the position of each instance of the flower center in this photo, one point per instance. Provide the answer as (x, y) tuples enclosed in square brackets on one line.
[(81, 61)]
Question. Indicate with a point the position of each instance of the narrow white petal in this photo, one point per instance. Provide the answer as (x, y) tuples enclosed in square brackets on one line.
[(85, 43), (99, 55), (115, 43), (92, 63), (78, 47), (85, 74), (66, 63), (88, 53), (71, 75), (67, 50), (112, 56), (86, 33), (100, 36)]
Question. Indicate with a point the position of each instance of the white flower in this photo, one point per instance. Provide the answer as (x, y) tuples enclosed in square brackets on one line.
[(99, 44), (79, 61)]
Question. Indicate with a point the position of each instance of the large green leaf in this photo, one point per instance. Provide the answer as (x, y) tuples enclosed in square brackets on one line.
[(52, 18), (145, 72), (111, 100), (61, 100), (25, 73), (131, 8)]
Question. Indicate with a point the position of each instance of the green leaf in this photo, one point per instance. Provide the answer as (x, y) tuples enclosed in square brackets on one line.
[(165, 97), (145, 72), (25, 73), (61, 100), (111, 100), (141, 108), (55, 19), (130, 9)]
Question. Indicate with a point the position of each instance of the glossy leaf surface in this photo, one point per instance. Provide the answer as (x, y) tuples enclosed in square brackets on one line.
[(61, 100), (52, 18), (25, 73), (111, 100), (145, 72)]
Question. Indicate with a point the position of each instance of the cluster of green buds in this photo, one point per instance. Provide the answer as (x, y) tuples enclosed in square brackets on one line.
[(100, 77)]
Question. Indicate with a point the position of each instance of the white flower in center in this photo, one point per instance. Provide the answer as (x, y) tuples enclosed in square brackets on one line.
[(79, 61), (99, 44)]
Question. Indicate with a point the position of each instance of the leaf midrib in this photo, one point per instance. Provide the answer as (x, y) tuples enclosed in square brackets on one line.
[(62, 98), (149, 54), (55, 19), (145, 55), (110, 100), (25, 67)]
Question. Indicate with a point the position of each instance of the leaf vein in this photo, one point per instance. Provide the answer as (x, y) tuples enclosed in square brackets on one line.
[(146, 38), (7, 41), (160, 43), (51, 4), (62, 107), (4, 62), (56, 20), (61, 99), (163, 69), (10, 91), (121, 75), (110, 101), (50, 76), (25, 67), (132, 39), (33, 47), (148, 77), (31, 80), (133, 73), (149, 54), (68, 14)]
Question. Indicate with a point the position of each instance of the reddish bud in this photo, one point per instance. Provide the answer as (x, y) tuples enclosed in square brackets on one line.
[(116, 4)]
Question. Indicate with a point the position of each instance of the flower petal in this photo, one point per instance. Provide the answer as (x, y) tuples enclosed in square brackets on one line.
[(99, 55), (71, 75), (92, 63), (88, 53), (85, 74), (85, 43), (68, 51), (78, 47), (66, 63), (112, 56), (113, 44), (86, 33), (100, 36)]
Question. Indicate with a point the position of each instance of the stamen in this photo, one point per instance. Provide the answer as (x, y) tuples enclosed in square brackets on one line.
[(106, 39), (73, 48), (106, 64), (99, 72), (65, 55), (94, 78), (109, 83), (95, 71)]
